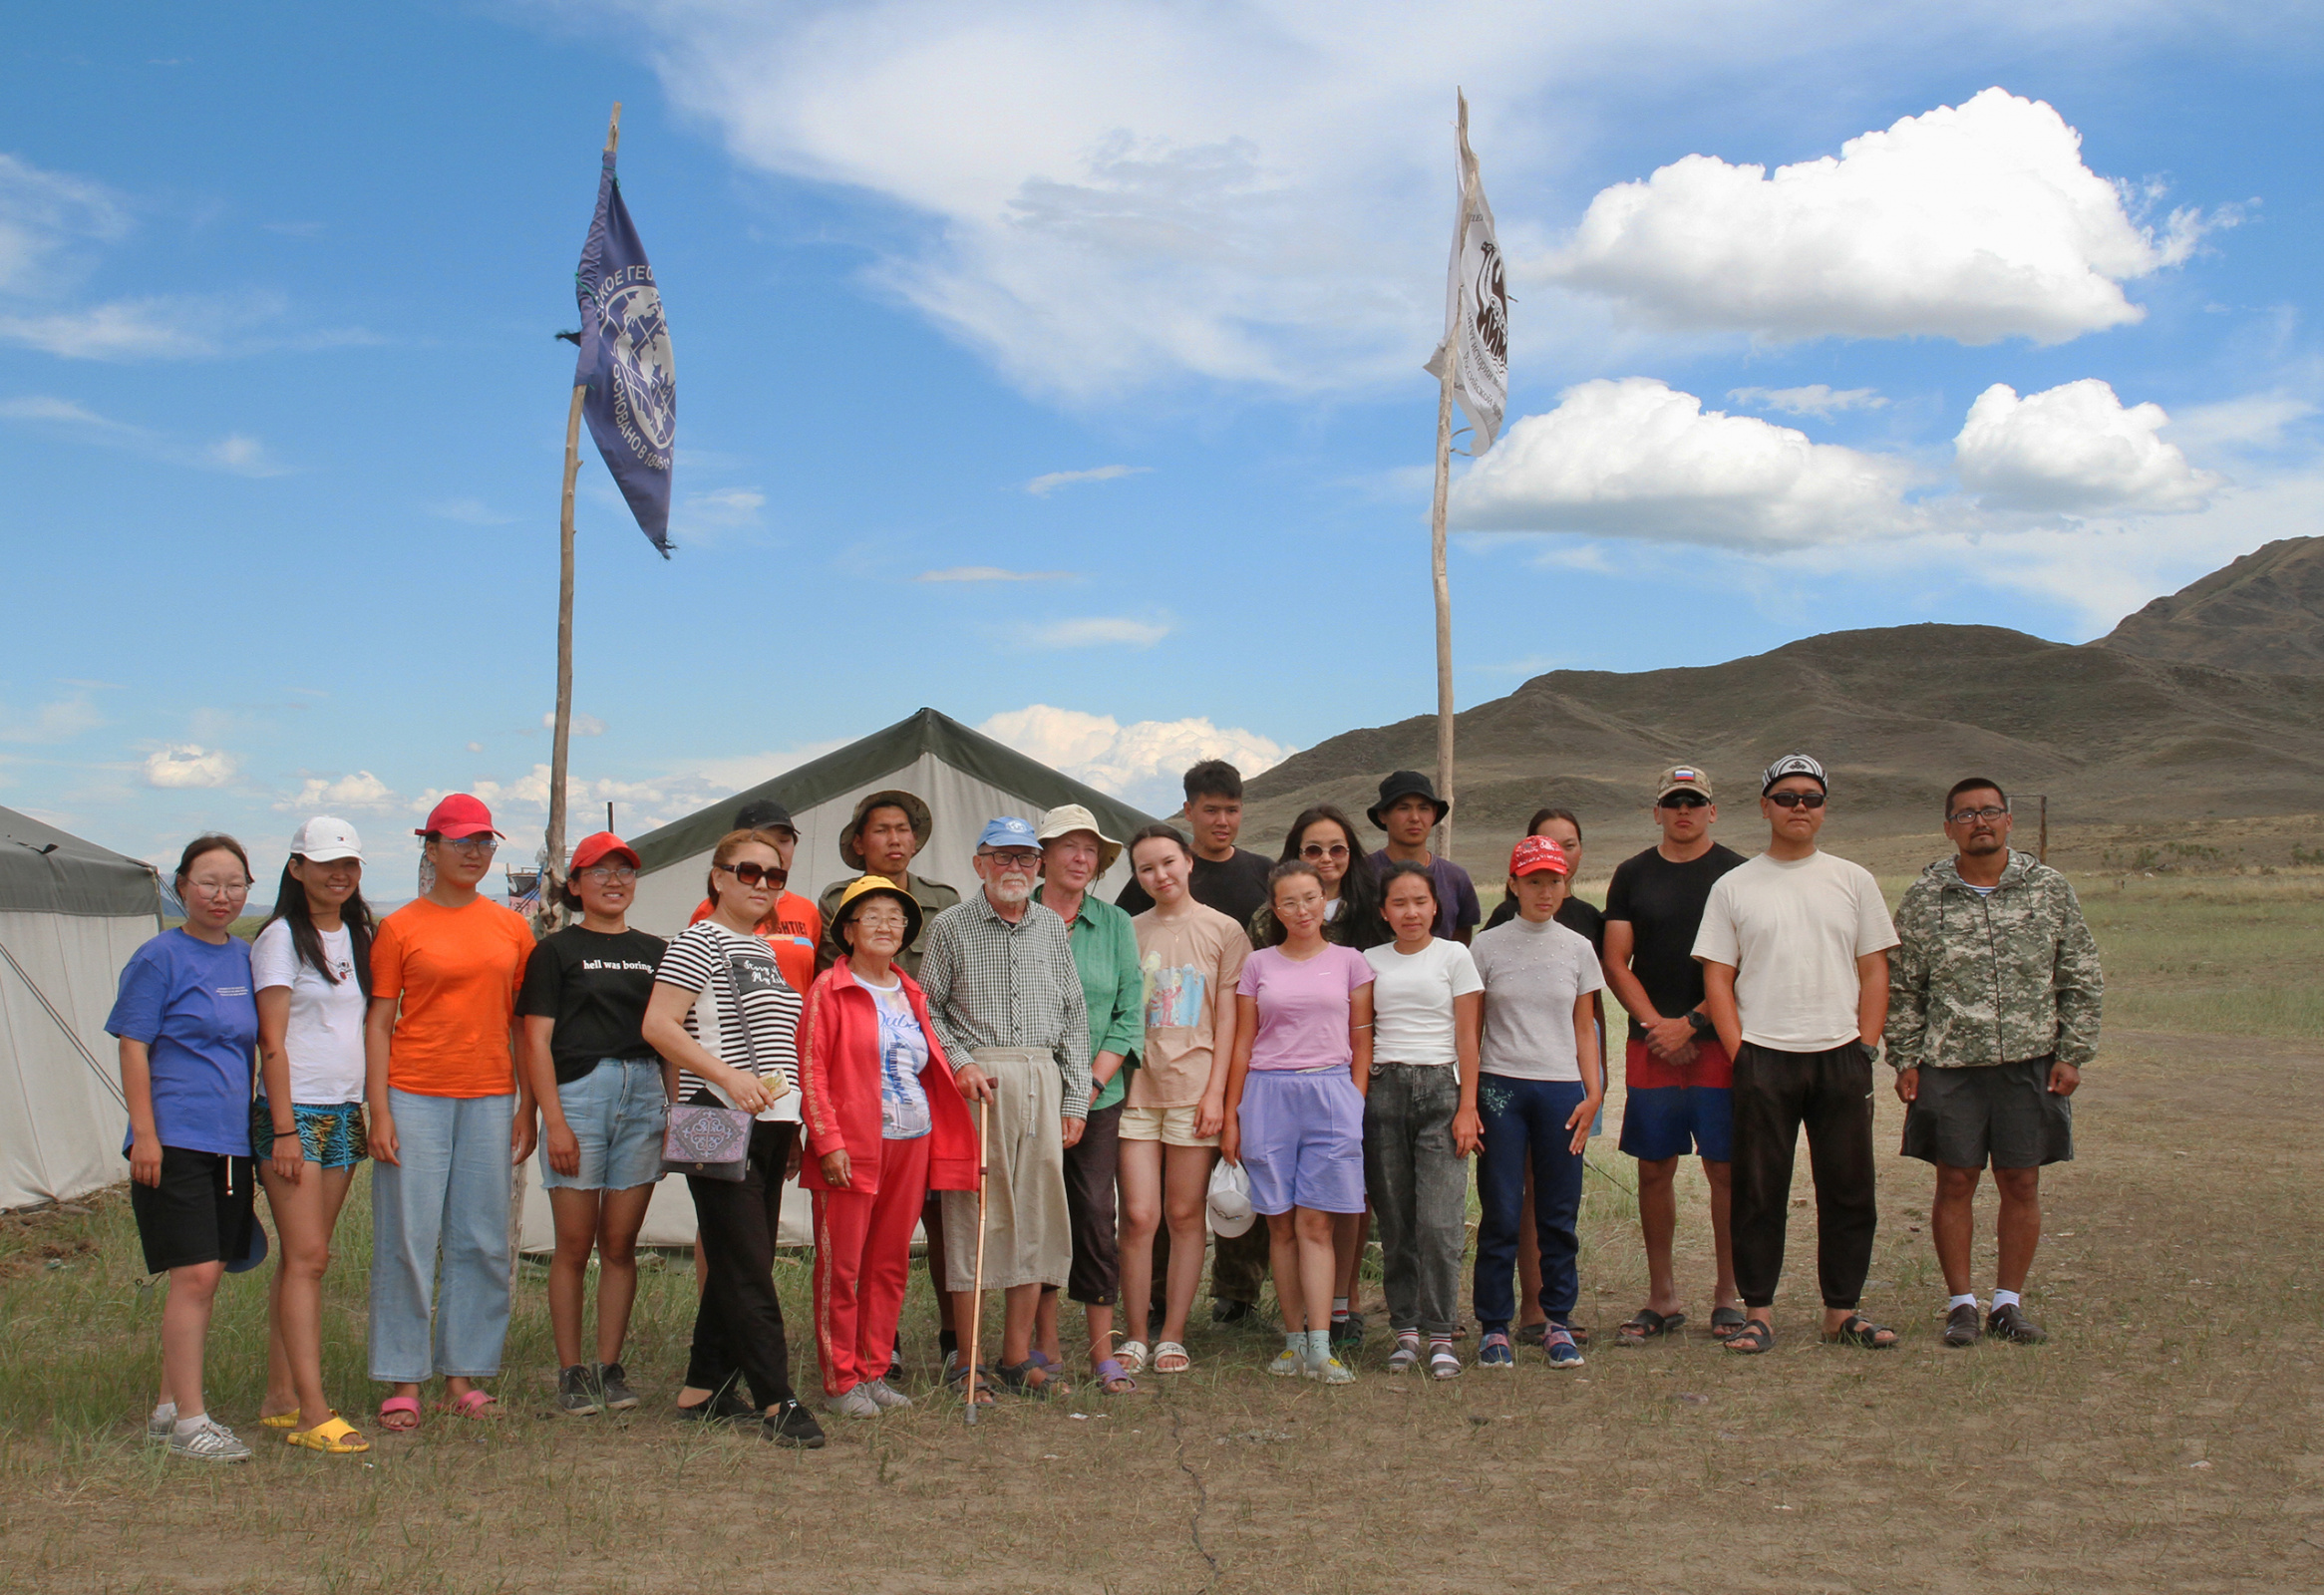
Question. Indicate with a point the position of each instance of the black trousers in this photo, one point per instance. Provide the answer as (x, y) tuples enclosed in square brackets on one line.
[(738, 1327), (1830, 1095), (1091, 1165)]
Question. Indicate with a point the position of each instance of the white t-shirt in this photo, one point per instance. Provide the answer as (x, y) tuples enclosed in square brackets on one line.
[(325, 1034), (1412, 1000), (1533, 975), (1793, 930)]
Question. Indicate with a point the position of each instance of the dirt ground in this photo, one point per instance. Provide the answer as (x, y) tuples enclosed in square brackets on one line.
[(2165, 1438)]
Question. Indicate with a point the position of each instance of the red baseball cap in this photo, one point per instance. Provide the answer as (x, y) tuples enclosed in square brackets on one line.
[(597, 850), (1537, 853), (458, 814)]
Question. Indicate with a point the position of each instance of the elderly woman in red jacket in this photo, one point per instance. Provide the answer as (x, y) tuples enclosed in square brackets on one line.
[(884, 1127)]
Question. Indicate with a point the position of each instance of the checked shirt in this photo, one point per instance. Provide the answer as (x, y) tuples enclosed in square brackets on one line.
[(994, 984)]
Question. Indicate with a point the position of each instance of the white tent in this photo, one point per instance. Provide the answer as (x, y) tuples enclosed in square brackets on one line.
[(71, 914), (964, 776)]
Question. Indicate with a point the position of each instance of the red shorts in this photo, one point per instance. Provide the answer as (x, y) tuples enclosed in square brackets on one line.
[(1642, 1070)]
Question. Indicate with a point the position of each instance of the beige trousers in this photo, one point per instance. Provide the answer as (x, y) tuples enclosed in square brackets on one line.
[(1028, 1233)]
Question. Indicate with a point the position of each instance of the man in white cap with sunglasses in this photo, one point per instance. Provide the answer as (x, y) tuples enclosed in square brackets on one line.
[(1795, 946)]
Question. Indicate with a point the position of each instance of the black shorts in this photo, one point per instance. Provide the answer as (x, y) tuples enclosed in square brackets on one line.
[(2002, 1112), (201, 1211)]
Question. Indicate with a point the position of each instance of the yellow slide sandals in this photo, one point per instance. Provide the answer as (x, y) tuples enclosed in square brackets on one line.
[(335, 1436), (287, 1420)]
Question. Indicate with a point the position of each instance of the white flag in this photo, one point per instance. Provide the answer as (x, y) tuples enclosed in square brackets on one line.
[(1477, 308)]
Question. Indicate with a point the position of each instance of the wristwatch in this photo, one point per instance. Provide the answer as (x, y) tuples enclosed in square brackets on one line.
[(1700, 1023)]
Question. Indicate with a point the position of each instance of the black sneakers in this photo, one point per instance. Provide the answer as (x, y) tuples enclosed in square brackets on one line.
[(577, 1391), (1224, 1311), (724, 1408), (613, 1385), (791, 1423), (1961, 1324)]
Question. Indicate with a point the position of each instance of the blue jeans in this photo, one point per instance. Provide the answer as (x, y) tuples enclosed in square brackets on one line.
[(451, 1191), (1525, 1122), (619, 1115)]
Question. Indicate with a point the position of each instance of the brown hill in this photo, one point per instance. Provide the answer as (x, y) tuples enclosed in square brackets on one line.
[(1897, 714), (2263, 612)]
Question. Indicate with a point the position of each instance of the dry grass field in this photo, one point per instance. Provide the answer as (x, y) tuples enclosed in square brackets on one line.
[(2165, 1438)]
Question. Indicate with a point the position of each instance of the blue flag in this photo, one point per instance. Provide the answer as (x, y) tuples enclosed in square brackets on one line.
[(632, 406)]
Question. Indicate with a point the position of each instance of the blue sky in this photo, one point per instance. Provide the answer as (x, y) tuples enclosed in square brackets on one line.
[(1124, 304)]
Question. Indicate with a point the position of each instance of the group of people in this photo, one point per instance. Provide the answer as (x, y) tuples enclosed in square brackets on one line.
[(1068, 1096)]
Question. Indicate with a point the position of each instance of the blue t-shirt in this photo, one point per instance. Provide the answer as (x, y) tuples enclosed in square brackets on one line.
[(190, 1004)]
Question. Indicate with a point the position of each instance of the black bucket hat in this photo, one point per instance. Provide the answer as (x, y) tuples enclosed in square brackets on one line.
[(1406, 784), (923, 822)]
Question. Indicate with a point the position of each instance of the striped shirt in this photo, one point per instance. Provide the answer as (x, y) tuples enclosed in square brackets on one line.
[(991, 983), (712, 961)]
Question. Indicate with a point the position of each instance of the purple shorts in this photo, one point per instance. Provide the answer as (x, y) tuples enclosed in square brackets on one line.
[(1303, 1140)]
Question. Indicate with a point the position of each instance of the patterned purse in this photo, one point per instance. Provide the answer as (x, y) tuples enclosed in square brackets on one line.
[(709, 1141)]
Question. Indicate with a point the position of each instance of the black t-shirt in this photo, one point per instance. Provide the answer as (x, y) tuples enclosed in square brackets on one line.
[(1236, 888), (1581, 919), (596, 987), (1664, 902)]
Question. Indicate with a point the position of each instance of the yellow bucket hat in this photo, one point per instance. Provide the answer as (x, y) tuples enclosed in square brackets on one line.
[(863, 887)]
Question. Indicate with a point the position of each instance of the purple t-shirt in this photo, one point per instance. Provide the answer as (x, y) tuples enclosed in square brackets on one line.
[(1456, 906), (1303, 1007)]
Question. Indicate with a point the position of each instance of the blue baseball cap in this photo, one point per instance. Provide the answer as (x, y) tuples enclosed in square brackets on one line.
[(1008, 832)]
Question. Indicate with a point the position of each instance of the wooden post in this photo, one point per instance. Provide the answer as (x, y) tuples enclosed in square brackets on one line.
[(2043, 851), (552, 867), (1444, 604)]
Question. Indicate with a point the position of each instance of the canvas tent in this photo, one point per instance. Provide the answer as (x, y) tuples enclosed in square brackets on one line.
[(71, 913), (963, 776)]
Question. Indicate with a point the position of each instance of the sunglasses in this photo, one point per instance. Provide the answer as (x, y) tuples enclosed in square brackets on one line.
[(1316, 850), (1796, 799), (1683, 799), (752, 875)]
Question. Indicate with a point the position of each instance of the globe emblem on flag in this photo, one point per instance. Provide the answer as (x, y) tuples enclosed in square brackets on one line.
[(645, 379)]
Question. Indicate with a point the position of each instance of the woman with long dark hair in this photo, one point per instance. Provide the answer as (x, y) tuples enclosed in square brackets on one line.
[(187, 1026), (311, 969)]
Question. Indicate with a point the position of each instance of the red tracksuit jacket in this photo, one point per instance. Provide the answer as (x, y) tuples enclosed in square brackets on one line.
[(839, 1084)]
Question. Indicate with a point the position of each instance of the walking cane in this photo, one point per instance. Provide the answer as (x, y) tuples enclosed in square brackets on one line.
[(976, 1284)]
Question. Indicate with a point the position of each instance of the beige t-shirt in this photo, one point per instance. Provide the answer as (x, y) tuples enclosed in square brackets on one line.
[(1187, 962), (1793, 930)]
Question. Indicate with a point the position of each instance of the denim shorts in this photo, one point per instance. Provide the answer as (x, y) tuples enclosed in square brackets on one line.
[(329, 1136), (616, 1111)]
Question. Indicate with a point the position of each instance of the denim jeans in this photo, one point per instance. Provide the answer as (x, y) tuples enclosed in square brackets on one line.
[(1525, 1122), (451, 1191), (1420, 1191)]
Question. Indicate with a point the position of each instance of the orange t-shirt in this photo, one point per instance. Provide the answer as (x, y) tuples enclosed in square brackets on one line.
[(790, 931), (457, 971)]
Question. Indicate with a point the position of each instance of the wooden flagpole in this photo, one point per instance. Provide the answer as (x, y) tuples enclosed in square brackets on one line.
[(1444, 583), (553, 872)]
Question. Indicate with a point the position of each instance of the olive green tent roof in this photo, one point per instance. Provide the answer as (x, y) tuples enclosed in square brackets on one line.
[(47, 870)]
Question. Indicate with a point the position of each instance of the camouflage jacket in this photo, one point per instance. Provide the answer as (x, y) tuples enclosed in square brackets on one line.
[(1995, 978)]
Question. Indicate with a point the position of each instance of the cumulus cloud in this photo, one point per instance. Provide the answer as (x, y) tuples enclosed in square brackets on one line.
[(991, 574), (1094, 631), (2075, 448), (1818, 399), (1141, 762), (359, 792), (188, 765), (1043, 485), (1974, 222), (584, 725), (1635, 458)]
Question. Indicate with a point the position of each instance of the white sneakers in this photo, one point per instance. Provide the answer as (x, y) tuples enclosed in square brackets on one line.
[(205, 1439)]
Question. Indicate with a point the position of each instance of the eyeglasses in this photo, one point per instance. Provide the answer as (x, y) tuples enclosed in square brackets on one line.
[(1015, 860), (1316, 850), (601, 873), (221, 888), (1962, 817), (1796, 799), (877, 919), (1683, 799), (469, 845), (750, 874)]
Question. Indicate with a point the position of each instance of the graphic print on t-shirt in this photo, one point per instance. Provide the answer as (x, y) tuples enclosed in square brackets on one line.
[(903, 1052), (1174, 997)]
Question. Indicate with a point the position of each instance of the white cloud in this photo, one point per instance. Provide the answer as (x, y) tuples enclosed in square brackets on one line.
[(43, 216), (237, 452), (2255, 421), (1634, 457), (2075, 448), (188, 765), (360, 791), (1139, 762), (60, 411), (245, 455), (58, 721), (1818, 399), (1977, 223), (1093, 631), (1042, 487), (727, 506), (470, 511), (158, 327), (584, 725), (992, 574)]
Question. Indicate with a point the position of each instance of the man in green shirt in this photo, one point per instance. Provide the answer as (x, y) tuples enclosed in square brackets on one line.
[(1074, 853)]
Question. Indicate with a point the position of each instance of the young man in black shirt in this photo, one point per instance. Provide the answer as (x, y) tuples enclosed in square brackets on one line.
[(1676, 1077), (1233, 880)]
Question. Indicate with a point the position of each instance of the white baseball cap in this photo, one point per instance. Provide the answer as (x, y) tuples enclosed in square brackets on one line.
[(1230, 1200), (323, 838)]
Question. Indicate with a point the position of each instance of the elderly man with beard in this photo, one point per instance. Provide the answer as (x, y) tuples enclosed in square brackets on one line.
[(1994, 1010), (1007, 1003)]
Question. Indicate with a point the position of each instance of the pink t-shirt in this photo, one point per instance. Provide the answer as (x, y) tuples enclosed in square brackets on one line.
[(1303, 1007)]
